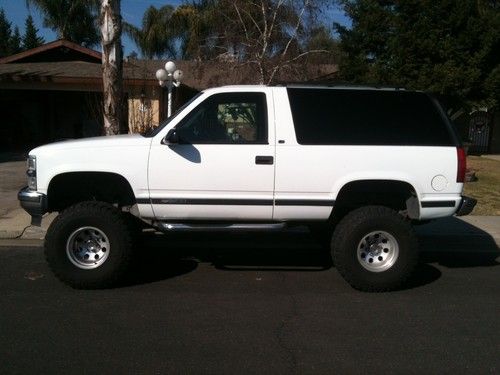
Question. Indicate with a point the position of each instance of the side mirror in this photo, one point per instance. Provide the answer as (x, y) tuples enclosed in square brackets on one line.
[(171, 137)]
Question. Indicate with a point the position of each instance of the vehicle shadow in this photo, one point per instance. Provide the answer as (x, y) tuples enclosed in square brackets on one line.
[(454, 243), (152, 264), (164, 256)]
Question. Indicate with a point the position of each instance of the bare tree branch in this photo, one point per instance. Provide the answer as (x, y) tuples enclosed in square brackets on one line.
[(241, 21), (289, 61), (296, 29)]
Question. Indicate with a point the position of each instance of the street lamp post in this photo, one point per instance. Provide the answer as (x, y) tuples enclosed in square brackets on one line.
[(169, 77)]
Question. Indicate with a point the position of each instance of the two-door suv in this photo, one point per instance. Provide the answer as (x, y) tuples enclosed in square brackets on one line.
[(357, 164)]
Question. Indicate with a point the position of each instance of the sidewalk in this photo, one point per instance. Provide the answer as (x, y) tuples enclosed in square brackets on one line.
[(493, 157)]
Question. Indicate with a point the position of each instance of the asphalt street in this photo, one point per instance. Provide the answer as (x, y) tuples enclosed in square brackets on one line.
[(231, 304)]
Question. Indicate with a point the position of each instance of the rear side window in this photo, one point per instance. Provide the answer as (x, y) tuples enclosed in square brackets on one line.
[(367, 117)]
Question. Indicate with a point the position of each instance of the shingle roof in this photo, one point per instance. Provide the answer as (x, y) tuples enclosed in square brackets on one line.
[(58, 50), (64, 70), (198, 75), (203, 74)]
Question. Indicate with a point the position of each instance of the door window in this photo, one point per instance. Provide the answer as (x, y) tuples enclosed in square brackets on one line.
[(230, 118)]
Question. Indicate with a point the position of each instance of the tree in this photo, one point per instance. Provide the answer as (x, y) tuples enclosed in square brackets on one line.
[(321, 39), (181, 32), (155, 38), (74, 20), (31, 39), (5, 35), (112, 61), (446, 47), (10, 42), (15, 41), (196, 31), (267, 34)]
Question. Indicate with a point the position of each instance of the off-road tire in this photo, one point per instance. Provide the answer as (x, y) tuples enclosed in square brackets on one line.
[(107, 219), (353, 228)]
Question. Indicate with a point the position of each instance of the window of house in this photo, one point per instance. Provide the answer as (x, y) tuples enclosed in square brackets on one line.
[(229, 118)]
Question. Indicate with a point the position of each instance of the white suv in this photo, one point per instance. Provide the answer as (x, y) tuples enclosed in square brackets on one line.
[(356, 164)]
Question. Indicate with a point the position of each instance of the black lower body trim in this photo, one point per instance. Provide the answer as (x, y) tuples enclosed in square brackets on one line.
[(304, 202), (466, 206), (437, 204), (225, 202), (238, 202)]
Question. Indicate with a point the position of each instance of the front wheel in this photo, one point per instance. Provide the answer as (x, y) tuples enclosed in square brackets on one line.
[(374, 249), (89, 245)]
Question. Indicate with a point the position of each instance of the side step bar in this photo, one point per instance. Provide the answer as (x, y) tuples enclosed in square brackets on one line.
[(207, 227)]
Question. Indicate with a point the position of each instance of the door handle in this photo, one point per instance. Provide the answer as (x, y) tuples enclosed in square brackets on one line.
[(269, 160)]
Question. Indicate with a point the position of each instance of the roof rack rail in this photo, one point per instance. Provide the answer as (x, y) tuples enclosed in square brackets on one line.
[(339, 85)]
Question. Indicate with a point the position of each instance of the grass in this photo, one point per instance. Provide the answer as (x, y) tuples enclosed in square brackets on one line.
[(487, 188)]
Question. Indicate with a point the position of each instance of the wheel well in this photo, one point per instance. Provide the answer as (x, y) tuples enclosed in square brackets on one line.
[(397, 195), (69, 188)]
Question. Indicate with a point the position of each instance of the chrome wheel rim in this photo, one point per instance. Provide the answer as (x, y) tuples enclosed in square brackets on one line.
[(87, 247), (378, 251)]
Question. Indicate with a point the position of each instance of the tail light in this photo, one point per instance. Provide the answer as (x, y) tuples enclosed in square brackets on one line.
[(462, 164)]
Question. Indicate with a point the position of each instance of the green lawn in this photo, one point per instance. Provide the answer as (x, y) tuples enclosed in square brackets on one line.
[(487, 188)]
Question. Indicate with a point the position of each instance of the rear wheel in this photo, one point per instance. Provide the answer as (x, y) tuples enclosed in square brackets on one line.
[(374, 249), (89, 245)]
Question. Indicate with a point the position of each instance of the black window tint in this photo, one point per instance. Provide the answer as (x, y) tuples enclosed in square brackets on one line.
[(367, 117), (230, 118)]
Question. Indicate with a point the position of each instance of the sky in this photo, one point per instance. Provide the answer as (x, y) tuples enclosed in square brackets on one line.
[(132, 11)]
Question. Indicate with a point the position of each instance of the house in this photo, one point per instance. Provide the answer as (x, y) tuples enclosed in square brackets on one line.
[(54, 92)]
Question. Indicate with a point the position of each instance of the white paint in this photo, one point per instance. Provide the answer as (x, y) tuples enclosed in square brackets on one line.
[(439, 183), (126, 155), (229, 171), (212, 172)]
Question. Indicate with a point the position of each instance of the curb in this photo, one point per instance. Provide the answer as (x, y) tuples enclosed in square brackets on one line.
[(18, 242), (28, 233), (10, 235)]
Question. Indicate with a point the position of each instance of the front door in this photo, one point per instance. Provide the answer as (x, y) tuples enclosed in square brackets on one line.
[(221, 167)]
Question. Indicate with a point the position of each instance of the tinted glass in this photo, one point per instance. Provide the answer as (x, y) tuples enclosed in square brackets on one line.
[(367, 117), (152, 132), (238, 118)]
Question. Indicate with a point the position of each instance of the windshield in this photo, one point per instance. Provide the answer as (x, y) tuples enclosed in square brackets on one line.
[(153, 131)]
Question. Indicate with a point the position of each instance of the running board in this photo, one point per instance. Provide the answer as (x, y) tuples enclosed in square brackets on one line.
[(207, 227)]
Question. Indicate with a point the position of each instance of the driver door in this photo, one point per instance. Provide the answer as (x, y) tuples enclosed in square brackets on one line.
[(220, 163)]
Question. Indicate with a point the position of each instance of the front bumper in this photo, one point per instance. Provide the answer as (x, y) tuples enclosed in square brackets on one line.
[(33, 202), (466, 206)]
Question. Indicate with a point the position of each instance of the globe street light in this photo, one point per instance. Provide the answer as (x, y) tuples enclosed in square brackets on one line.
[(170, 77)]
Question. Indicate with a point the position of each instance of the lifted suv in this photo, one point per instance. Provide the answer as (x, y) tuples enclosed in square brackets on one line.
[(357, 165)]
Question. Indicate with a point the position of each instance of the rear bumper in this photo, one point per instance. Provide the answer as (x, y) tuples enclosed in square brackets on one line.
[(33, 202), (466, 206)]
